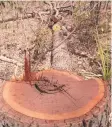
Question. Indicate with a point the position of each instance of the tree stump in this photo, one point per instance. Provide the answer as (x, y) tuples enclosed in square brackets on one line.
[(79, 103), (76, 106)]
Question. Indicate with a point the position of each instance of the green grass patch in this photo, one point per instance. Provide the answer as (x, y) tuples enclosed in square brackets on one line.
[(104, 55)]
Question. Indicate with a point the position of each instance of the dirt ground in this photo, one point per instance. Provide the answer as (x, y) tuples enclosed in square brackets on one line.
[(16, 35)]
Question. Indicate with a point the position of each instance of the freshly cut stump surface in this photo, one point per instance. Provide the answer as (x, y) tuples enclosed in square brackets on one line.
[(78, 100)]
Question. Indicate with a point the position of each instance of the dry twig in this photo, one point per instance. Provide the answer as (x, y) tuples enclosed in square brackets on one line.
[(12, 61)]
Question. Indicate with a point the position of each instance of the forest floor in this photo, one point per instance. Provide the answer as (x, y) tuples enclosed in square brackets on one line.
[(16, 35)]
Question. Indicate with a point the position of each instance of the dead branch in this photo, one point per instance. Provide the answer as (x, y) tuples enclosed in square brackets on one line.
[(49, 3), (30, 15), (55, 8), (12, 61), (64, 2), (42, 13)]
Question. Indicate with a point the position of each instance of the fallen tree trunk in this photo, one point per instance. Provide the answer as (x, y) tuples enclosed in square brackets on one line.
[(60, 58)]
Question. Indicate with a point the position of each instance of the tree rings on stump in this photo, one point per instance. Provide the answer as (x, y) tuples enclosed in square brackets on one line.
[(78, 99)]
